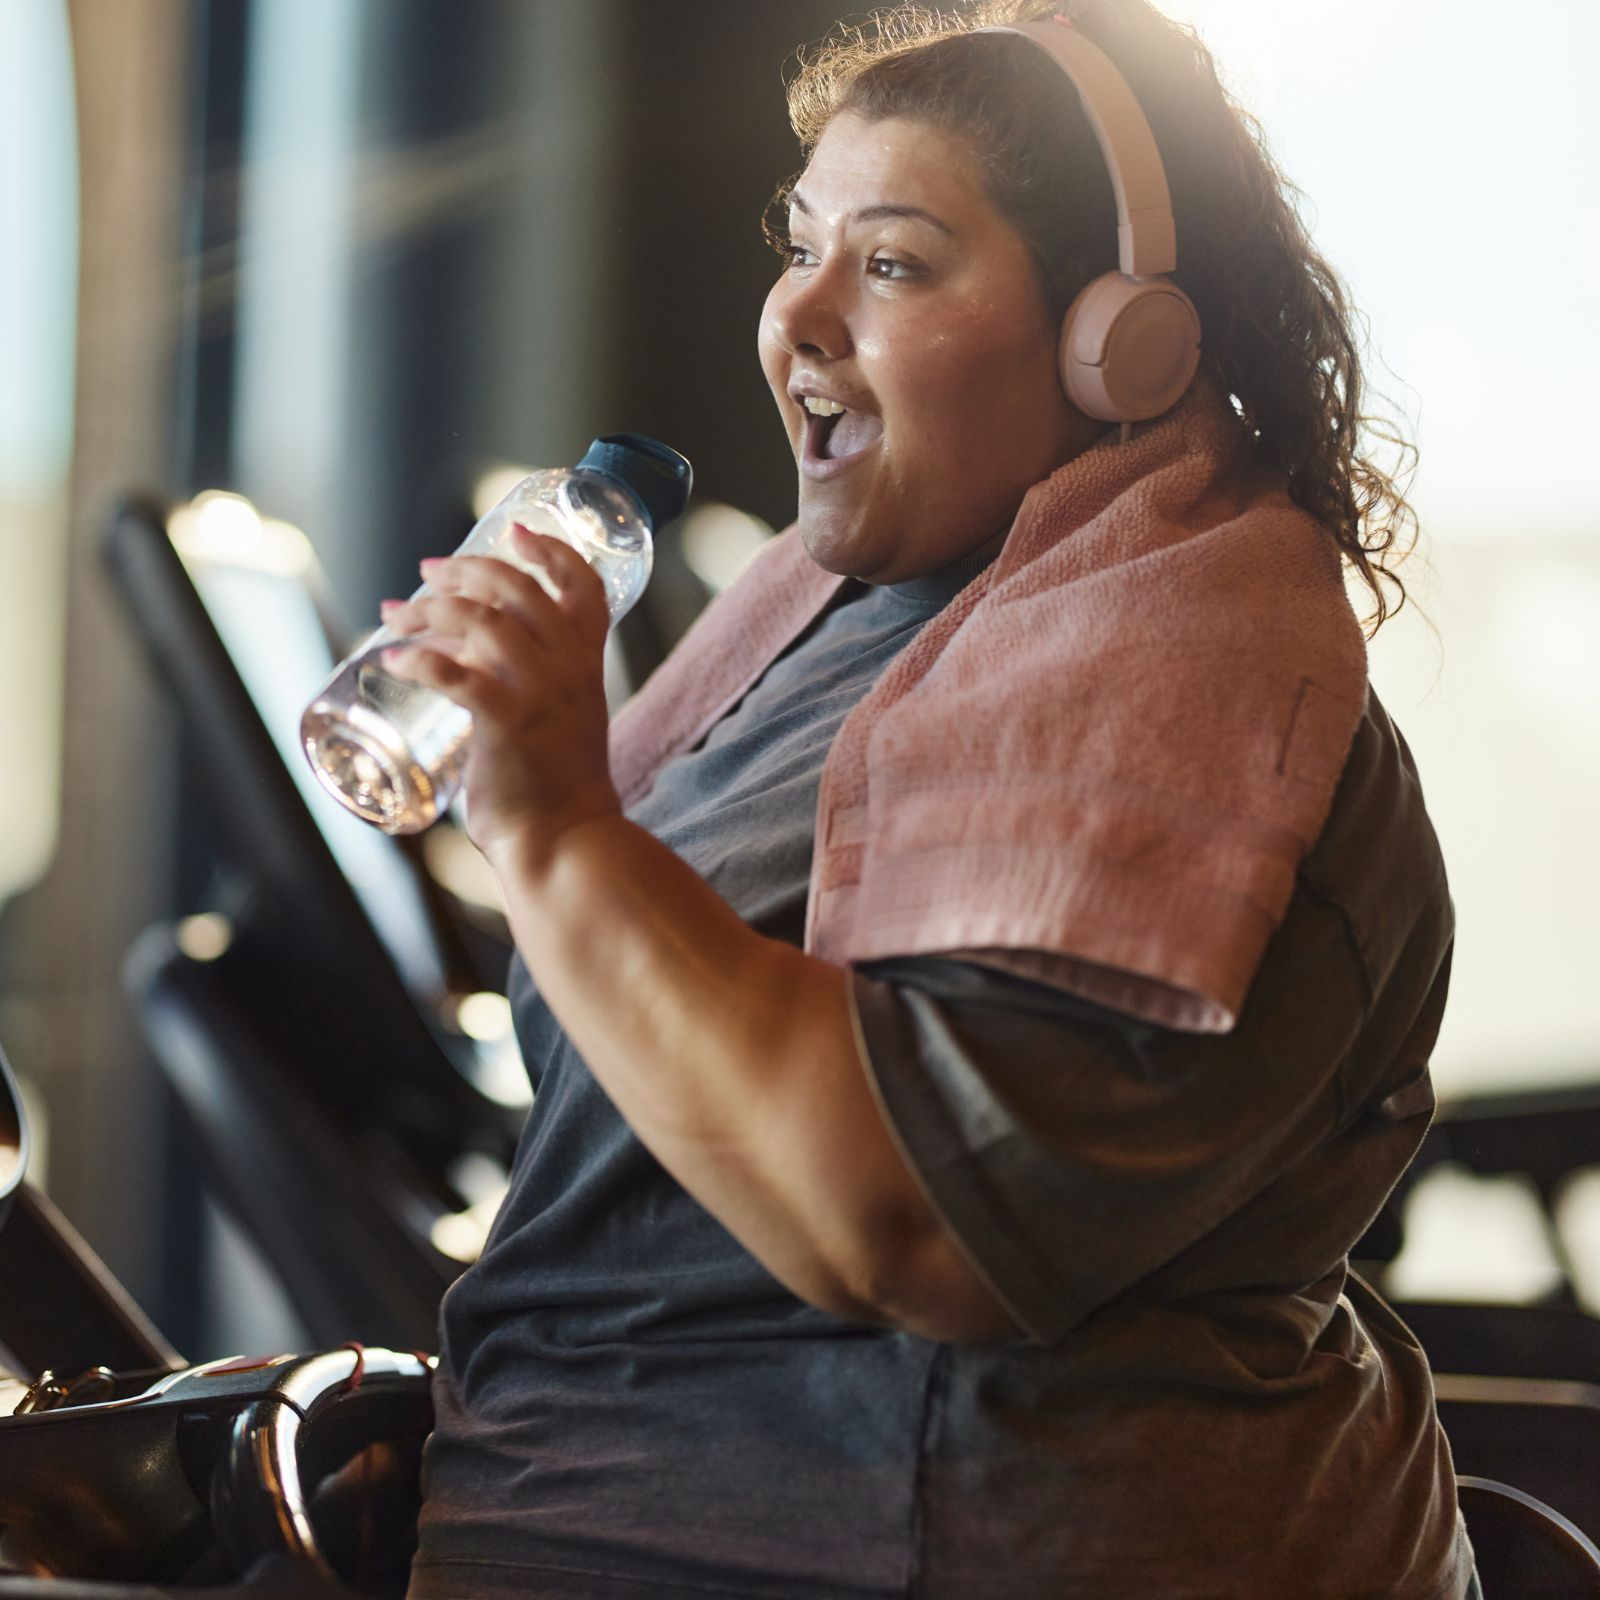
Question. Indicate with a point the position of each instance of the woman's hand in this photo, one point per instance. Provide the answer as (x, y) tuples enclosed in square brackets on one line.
[(530, 669)]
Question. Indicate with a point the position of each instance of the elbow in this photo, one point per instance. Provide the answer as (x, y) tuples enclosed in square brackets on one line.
[(916, 1280)]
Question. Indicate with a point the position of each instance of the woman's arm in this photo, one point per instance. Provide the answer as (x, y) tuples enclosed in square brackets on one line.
[(732, 1056), (734, 1059)]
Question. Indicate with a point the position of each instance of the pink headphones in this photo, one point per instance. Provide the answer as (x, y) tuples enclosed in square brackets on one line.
[(1130, 342)]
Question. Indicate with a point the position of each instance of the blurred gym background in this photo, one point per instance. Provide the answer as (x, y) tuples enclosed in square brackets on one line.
[(318, 274)]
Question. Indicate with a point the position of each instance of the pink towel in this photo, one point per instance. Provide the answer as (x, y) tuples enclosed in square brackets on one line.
[(1103, 761)]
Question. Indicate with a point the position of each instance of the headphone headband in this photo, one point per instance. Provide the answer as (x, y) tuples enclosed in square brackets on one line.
[(1147, 238)]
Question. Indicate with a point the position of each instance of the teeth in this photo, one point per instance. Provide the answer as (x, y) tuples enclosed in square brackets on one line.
[(822, 408)]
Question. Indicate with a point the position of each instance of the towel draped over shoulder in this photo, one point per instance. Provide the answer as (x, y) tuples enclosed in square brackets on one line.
[(1110, 751)]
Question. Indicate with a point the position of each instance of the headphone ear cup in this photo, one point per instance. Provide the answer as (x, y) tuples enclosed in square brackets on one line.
[(1129, 347)]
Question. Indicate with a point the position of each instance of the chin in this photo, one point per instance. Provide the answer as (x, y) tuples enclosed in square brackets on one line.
[(833, 548)]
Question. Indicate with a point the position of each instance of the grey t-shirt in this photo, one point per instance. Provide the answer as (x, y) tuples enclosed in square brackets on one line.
[(629, 1404)]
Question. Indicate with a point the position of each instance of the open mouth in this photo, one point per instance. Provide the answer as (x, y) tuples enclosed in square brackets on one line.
[(834, 433)]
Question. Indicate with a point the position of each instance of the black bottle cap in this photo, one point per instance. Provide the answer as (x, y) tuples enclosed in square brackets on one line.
[(658, 476)]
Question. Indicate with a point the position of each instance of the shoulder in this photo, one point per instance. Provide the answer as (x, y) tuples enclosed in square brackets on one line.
[(1377, 859)]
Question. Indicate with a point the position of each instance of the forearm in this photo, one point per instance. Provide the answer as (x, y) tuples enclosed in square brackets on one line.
[(733, 1057)]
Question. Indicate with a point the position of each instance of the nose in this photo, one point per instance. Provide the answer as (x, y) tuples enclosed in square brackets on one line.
[(807, 314)]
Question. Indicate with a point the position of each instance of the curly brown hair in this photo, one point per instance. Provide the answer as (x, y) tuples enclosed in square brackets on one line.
[(1279, 323)]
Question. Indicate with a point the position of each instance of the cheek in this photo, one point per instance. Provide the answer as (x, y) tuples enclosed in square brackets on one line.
[(770, 353), (988, 368), (946, 375)]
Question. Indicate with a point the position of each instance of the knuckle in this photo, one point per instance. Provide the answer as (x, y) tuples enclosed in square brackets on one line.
[(534, 587), (466, 578)]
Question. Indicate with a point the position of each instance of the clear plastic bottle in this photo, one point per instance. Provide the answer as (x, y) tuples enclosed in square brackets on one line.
[(394, 752)]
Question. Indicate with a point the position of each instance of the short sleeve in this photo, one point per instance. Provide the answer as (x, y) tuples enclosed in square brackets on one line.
[(1074, 1151), (1080, 1152)]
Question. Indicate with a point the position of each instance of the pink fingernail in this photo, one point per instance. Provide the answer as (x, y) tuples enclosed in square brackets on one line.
[(429, 562)]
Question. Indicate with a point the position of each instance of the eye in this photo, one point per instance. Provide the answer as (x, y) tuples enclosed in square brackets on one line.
[(790, 252), (889, 268)]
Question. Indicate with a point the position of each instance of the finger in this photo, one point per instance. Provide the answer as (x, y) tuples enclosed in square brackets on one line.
[(582, 593), (560, 583), (489, 637), (400, 616), (475, 691), (490, 581)]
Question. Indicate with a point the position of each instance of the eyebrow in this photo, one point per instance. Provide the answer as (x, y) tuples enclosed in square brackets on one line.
[(879, 213)]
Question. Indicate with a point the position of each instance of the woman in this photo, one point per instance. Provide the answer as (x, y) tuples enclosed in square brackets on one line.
[(987, 987)]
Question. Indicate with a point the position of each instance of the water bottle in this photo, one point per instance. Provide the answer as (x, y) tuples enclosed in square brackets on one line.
[(394, 752)]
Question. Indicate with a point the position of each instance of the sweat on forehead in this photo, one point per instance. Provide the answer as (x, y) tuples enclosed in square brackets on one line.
[(893, 169), (884, 212)]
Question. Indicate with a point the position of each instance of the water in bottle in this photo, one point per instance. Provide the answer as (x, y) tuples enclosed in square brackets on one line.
[(394, 752)]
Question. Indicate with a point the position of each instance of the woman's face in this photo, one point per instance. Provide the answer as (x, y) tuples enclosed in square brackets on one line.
[(912, 304)]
